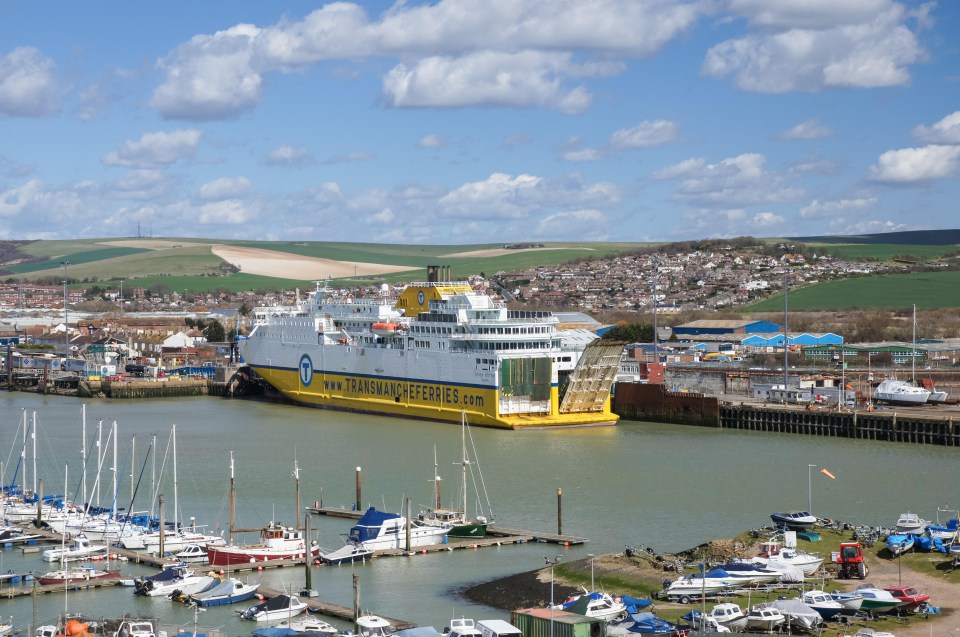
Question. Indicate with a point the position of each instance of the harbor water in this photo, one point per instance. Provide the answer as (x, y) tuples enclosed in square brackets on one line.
[(668, 487)]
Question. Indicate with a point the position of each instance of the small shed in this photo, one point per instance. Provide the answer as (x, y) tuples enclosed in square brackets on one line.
[(536, 622)]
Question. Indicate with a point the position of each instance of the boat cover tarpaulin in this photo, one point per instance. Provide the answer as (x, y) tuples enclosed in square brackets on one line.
[(166, 575), (635, 604), (279, 602), (369, 524)]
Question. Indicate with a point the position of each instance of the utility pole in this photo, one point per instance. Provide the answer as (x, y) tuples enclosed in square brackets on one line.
[(66, 315)]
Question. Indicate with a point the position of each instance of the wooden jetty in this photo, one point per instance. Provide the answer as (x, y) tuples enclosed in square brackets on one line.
[(496, 535), (332, 610)]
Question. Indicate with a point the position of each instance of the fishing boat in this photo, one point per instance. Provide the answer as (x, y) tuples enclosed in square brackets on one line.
[(229, 591), (457, 520), (794, 519), (877, 600), (765, 619), (277, 542), (80, 548), (899, 543), (192, 554), (462, 627), (596, 604), (798, 616), (275, 609), (378, 530), (730, 615), (437, 348), (850, 601), (347, 554), (687, 588), (912, 598), (76, 575), (806, 562), (910, 523), (822, 603)]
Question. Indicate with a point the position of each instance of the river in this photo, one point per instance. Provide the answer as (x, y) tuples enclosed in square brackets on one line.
[(664, 486)]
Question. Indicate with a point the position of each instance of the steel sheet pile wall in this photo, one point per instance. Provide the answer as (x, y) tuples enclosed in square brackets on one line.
[(637, 401)]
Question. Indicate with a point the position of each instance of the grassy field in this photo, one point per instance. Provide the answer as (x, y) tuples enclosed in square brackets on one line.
[(188, 260), (928, 290), (75, 259), (885, 251)]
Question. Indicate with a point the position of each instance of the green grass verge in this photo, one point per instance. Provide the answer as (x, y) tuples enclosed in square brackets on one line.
[(77, 258), (928, 290)]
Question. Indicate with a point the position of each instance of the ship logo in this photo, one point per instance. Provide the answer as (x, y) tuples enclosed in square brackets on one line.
[(420, 297), (306, 370)]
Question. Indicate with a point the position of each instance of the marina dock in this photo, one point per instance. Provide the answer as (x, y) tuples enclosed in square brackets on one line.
[(500, 535)]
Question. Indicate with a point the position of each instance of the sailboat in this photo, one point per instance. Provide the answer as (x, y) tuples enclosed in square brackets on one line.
[(462, 524)]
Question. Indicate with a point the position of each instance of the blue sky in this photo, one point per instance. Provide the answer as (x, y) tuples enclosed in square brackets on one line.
[(474, 121)]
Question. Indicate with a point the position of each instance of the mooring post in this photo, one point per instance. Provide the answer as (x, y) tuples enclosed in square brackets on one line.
[(409, 513), (308, 553), (358, 489), (559, 511), (356, 601)]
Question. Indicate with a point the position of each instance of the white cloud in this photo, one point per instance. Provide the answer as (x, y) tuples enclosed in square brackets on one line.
[(584, 154), (225, 212), (225, 188), (154, 150), (383, 217), (912, 165), (28, 87), (558, 225), (767, 219), (211, 76), (817, 209), (139, 184), (644, 135), (487, 78), (526, 43), (807, 14), (502, 196), (872, 47), (347, 157), (432, 140), (733, 182), (810, 129), (946, 131), (287, 155)]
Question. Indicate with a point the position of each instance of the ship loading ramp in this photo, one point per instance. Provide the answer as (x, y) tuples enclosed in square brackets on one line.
[(588, 387)]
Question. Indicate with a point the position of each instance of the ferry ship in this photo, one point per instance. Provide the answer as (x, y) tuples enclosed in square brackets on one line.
[(437, 350)]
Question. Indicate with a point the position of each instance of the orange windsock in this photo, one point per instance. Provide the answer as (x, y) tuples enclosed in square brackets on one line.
[(828, 474)]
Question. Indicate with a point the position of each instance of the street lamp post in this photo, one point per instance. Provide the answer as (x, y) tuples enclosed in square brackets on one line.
[(592, 587), (552, 562), (66, 314), (810, 489)]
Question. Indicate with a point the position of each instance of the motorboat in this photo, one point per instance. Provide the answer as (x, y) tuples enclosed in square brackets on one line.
[(877, 600), (944, 532), (380, 530), (595, 604), (765, 619), (822, 603), (346, 554), (937, 397), (869, 632), (912, 598), (794, 519), (688, 587), (275, 609), (730, 615), (80, 548), (806, 562), (308, 625), (277, 542), (899, 543), (646, 623), (704, 623), (898, 392), (135, 628), (373, 626), (76, 575), (798, 616), (910, 523), (173, 577), (751, 574), (192, 554), (851, 602), (229, 591), (462, 627)]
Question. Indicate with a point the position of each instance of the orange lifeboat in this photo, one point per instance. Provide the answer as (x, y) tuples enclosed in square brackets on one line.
[(385, 329)]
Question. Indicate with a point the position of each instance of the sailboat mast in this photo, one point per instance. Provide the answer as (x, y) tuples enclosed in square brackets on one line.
[(96, 483), (113, 500), (233, 501), (463, 464), (296, 479), (913, 354), (83, 450), (436, 479), (176, 503), (33, 440)]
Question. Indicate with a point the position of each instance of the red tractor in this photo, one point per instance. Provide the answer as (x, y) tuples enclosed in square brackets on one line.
[(850, 562)]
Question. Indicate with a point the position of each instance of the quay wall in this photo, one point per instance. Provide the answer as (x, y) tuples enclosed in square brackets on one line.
[(634, 401)]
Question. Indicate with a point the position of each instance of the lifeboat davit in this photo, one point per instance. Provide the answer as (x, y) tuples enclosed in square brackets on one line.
[(385, 329)]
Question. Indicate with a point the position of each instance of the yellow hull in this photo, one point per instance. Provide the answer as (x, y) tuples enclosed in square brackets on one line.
[(421, 400)]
